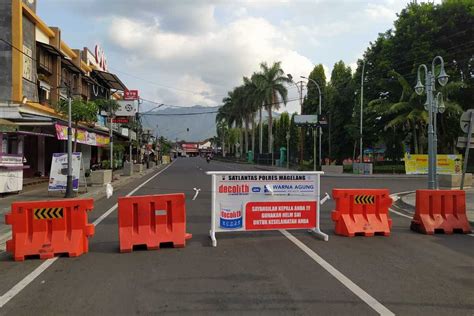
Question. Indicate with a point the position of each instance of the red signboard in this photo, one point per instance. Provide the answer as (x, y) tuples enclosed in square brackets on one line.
[(120, 119), (189, 146), (280, 215), (130, 95)]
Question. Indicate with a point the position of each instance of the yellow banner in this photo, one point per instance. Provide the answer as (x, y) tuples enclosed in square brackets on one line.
[(446, 164)]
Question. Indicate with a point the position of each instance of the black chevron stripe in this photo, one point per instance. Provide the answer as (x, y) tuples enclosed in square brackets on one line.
[(48, 213), (364, 199)]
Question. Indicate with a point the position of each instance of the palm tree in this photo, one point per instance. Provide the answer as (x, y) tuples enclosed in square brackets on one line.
[(409, 112), (253, 103), (271, 82)]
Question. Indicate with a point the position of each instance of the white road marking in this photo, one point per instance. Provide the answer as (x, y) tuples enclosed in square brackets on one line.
[(17, 288), (3, 240), (5, 298), (354, 288)]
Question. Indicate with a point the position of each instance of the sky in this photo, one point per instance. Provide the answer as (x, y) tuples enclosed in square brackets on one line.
[(192, 52)]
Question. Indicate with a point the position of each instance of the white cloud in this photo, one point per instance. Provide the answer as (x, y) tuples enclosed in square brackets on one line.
[(208, 64), (380, 11)]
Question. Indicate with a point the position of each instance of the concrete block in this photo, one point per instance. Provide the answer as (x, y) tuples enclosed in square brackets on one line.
[(453, 181), (138, 167), (127, 168), (101, 177), (332, 169)]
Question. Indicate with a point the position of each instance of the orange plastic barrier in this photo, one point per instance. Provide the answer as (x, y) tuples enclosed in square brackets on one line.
[(152, 219), (49, 228), (361, 212), (440, 211)]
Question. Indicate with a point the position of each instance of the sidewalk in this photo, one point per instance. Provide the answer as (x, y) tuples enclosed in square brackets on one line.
[(40, 192), (410, 200), (349, 175)]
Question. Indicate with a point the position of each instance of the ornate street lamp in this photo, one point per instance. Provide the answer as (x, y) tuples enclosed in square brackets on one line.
[(433, 105)]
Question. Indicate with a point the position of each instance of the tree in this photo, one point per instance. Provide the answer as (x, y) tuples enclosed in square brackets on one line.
[(271, 82), (254, 102), (421, 31), (340, 106), (81, 111)]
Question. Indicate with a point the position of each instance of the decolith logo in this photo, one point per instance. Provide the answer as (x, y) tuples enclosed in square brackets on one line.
[(234, 189)]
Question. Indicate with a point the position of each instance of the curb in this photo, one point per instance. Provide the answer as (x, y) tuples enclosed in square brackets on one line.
[(119, 183)]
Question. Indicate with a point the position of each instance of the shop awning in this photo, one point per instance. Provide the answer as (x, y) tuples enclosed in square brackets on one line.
[(7, 126), (70, 65), (110, 79), (28, 133), (26, 119), (50, 49)]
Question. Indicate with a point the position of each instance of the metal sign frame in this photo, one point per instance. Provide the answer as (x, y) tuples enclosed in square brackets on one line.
[(316, 198)]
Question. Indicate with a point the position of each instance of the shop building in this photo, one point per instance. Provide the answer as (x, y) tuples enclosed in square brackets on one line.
[(36, 65)]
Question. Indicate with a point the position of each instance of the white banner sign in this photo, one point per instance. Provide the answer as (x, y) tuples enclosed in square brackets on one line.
[(127, 108), (58, 174), (251, 201)]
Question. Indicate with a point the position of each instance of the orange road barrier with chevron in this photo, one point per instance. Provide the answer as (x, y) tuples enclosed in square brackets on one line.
[(49, 228), (151, 220), (440, 211), (361, 212)]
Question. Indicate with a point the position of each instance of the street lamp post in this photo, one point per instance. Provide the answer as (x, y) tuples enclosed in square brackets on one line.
[(362, 111), (433, 105), (300, 91), (319, 126)]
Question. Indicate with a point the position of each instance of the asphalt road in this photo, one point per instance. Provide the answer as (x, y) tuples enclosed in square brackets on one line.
[(252, 273)]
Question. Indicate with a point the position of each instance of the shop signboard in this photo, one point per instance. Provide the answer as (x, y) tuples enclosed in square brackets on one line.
[(254, 201), (83, 136), (130, 95), (120, 120), (446, 164), (127, 108), (58, 174)]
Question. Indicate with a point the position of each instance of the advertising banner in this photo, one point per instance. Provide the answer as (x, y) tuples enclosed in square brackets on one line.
[(250, 201), (58, 174), (83, 136), (446, 164)]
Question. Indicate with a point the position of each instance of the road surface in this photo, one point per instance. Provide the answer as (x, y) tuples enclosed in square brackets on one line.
[(278, 272)]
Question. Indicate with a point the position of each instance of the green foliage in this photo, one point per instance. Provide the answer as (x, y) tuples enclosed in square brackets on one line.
[(107, 105), (81, 111), (339, 108), (165, 146), (421, 32)]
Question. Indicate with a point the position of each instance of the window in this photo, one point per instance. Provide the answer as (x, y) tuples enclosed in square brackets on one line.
[(45, 61)]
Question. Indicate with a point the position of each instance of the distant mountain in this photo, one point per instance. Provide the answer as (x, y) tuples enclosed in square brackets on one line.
[(195, 123)]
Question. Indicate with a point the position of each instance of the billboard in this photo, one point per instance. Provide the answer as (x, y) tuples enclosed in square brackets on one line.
[(252, 201), (446, 164)]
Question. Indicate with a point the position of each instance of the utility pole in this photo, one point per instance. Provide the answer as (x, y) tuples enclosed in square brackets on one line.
[(300, 90), (362, 111), (69, 186), (111, 140), (139, 142)]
